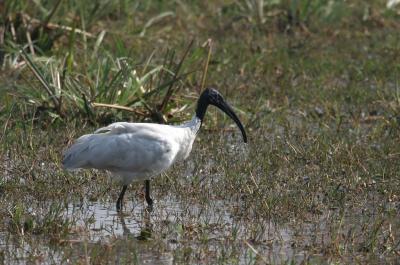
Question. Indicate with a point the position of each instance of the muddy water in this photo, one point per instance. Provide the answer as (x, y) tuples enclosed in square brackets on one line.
[(140, 237), (177, 231)]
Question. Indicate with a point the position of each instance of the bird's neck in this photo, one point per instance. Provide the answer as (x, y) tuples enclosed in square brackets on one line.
[(193, 125), (201, 108), (187, 136)]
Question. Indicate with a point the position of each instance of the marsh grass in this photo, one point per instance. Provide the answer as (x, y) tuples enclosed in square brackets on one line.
[(146, 90), (315, 83)]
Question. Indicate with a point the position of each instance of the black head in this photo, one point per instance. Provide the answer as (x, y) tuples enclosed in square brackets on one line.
[(211, 96)]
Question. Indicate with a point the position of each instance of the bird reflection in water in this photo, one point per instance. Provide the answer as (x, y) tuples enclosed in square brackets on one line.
[(146, 229)]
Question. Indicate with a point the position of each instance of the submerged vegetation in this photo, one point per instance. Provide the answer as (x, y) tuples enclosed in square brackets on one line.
[(315, 82)]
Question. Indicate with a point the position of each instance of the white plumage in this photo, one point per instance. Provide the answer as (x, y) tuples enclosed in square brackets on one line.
[(139, 151), (133, 151)]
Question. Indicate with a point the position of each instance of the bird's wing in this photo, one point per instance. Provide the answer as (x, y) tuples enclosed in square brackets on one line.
[(119, 127), (127, 127), (120, 148)]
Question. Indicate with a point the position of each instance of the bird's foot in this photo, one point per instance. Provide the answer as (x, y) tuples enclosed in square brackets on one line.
[(149, 208), (149, 204), (119, 206)]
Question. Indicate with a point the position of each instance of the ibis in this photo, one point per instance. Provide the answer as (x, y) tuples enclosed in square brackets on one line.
[(140, 151)]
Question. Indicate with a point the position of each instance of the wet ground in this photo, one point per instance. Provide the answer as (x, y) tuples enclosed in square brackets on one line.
[(174, 232), (227, 204), (151, 237)]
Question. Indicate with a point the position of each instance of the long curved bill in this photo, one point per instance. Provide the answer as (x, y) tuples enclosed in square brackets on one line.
[(225, 107)]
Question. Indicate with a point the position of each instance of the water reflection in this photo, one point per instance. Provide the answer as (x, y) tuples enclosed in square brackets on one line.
[(137, 227), (130, 233), (145, 232), (175, 229)]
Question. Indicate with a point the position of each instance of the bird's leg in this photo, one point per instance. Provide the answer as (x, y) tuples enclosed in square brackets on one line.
[(125, 229), (121, 197), (147, 196)]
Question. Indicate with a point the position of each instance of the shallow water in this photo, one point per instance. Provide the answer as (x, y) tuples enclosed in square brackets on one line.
[(184, 227), (153, 237)]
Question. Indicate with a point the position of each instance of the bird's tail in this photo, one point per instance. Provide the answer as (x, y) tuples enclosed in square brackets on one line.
[(77, 155)]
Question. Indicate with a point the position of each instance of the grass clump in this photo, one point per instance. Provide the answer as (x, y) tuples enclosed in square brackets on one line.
[(145, 90)]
